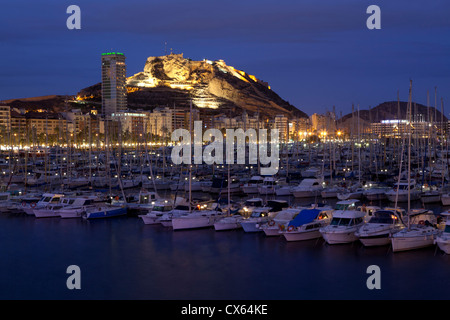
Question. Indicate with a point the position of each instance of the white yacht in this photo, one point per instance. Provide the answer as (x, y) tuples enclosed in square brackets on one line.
[(204, 218), (73, 207), (376, 193), (308, 188), (46, 199), (445, 199), (166, 218), (331, 192), (400, 191), (307, 224), (443, 238), (347, 219), (430, 194), (159, 208), (250, 204), (350, 193), (259, 215), (284, 190), (310, 172), (280, 221), (252, 185), (268, 186), (229, 222), (381, 226), (419, 233), (145, 202), (51, 210), (7, 203)]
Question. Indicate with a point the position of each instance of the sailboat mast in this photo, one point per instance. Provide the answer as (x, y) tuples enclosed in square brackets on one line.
[(409, 146), (190, 166)]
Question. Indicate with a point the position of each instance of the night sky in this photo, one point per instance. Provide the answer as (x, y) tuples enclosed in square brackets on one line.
[(316, 54)]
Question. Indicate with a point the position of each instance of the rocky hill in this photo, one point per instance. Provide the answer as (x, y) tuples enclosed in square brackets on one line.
[(213, 87), (52, 103), (389, 110), (394, 110)]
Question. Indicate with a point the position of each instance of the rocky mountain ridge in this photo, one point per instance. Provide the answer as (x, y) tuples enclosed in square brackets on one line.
[(213, 87)]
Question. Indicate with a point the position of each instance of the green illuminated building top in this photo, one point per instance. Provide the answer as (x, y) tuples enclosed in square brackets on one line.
[(111, 53), (114, 91)]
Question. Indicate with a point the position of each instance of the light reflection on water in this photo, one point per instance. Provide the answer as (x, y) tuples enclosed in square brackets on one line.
[(122, 258)]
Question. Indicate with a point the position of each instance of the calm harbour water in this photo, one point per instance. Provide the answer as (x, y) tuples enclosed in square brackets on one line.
[(121, 258)]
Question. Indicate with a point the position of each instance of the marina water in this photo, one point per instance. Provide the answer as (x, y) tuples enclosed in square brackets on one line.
[(121, 258)]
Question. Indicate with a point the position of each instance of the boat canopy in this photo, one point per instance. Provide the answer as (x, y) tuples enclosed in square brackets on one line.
[(305, 216), (277, 205), (256, 202)]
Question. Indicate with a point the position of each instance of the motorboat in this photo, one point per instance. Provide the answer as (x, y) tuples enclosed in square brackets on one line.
[(445, 199), (268, 186), (166, 218), (261, 215), (50, 210), (420, 232), (272, 227), (400, 192), (252, 185), (443, 237), (204, 218), (430, 196), (331, 192), (381, 226), (74, 207), (229, 222), (159, 208), (145, 202), (44, 201), (285, 190), (308, 188), (250, 204), (307, 224), (376, 193), (351, 193), (104, 211), (7, 203), (310, 172), (347, 219)]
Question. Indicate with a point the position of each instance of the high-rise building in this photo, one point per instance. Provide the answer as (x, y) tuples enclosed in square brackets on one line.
[(114, 91)]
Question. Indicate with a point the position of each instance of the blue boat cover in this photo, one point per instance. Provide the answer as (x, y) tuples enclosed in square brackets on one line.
[(305, 216)]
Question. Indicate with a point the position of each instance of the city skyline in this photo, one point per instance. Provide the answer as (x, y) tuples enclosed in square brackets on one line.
[(314, 56)]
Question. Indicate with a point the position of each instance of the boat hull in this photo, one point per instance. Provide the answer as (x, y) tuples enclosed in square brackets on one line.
[(378, 240), (302, 236), (339, 237), (220, 226), (250, 226), (403, 197), (305, 193), (283, 191), (431, 198), (411, 243), (166, 223), (443, 244), (184, 223), (71, 214), (445, 200), (375, 196), (105, 213), (250, 189), (147, 219), (272, 231)]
